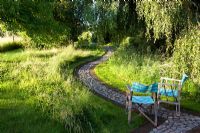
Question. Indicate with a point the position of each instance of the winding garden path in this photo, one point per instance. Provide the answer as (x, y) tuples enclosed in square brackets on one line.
[(172, 124)]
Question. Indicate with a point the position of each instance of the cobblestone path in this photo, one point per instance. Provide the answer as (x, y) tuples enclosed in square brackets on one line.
[(172, 124)]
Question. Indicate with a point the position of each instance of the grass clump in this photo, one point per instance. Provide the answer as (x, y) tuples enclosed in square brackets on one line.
[(38, 93)]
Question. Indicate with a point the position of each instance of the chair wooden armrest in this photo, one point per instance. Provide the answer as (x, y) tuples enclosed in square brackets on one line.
[(128, 87), (172, 79), (168, 84)]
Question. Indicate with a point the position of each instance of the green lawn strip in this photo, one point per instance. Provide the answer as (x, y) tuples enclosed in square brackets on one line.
[(18, 112), (190, 105), (104, 74), (116, 76), (21, 116), (24, 55)]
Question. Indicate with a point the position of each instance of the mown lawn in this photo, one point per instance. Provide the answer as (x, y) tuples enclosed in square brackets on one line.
[(39, 93), (128, 65)]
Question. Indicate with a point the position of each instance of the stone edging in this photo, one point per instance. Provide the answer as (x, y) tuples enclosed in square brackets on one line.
[(86, 76)]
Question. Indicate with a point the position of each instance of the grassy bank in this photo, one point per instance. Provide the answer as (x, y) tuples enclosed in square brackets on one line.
[(128, 65), (38, 93)]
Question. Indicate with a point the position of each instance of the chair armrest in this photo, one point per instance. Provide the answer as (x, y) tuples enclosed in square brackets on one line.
[(172, 79), (129, 87), (167, 84)]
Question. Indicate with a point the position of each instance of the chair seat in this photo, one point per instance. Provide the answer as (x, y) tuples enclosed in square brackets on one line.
[(168, 92), (142, 99)]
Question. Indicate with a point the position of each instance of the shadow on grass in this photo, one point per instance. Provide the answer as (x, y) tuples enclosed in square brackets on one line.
[(18, 113), (10, 46), (24, 118)]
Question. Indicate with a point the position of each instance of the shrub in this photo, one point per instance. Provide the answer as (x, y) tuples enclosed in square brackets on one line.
[(187, 54), (126, 42), (85, 39), (186, 59), (137, 41)]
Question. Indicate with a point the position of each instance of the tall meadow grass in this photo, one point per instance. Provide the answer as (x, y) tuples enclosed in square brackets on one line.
[(40, 78), (44, 80)]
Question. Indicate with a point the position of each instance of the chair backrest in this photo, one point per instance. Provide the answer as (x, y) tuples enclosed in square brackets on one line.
[(172, 87), (154, 87), (137, 87)]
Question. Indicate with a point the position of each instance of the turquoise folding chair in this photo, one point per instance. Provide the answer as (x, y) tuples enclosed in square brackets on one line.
[(170, 89), (140, 101)]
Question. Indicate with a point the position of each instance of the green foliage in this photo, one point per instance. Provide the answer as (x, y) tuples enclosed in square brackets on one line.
[(85, 39), (70, 13), (36, 19), (165, 19), (153, 12), (47, 22), (128, 41), (187, 54), (2, 29), (106, 22)]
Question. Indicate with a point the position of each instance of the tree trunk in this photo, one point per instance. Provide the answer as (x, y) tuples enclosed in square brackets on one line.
[(13, 37)]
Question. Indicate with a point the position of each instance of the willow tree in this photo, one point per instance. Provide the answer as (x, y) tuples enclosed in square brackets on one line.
[(166, 19), (111, 19)]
